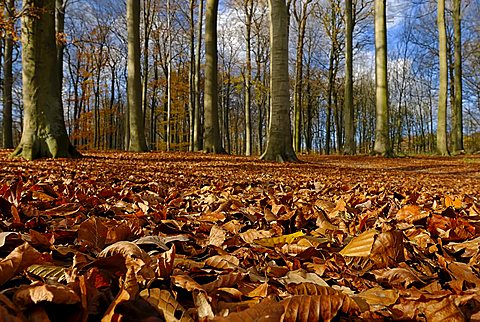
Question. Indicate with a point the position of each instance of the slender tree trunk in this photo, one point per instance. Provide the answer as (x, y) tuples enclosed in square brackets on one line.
[(458, 110), (331, 80), (8, 81), (197, 134), (191, 79), (442, 147), (44, 133), (134, 87), (169, 77), (248, 77), (301, 19), (279, 145), (212, 139), (349, 120), (382, 141)]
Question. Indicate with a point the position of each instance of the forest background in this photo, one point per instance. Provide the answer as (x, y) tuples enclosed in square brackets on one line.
[(95, 74)]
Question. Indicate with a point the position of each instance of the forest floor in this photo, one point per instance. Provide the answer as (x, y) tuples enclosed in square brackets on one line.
[(182, 237)]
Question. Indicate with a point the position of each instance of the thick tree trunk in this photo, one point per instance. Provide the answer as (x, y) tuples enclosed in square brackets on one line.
[(382, 140), (279, 145), (349, 120), (211, 136), (137, 141), (442, 147), (8, 82), (458, 110), (44, 133)]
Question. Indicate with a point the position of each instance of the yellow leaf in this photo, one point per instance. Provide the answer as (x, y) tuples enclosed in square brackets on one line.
[(280, 240)]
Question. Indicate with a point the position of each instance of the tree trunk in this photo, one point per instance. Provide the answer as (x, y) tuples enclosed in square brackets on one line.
[(349, 120), (458, 110), (279, 145), (442, 147), (8, 81), (248, 77), (169, 78), (301, 19), (134, 85), (211, 136), (382, 141), (197, 134), (44, 133), (191, 79)]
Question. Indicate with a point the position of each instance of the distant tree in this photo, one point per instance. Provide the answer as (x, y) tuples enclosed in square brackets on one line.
[(8, 76), (279, 145), (442, 147), (457, 107), (212, 140), (44, 133), (382, 141), (349, 116), (134, 87)]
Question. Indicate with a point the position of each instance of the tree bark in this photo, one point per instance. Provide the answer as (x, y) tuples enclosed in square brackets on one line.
[(279, 145), (134, 85), (382, 140), (442, 147), (197, 134), (191, 77), (248, 77), (458, 110), (44, 133), (8, 80), (349, 119), (211, 138)]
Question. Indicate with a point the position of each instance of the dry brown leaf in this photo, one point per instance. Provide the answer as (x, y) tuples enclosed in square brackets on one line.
[(110, 314), (203, 306), (378, 296), (227, 280), (166, 262), (301, 276), (8, 311), (186, 282), (223, 262), (307, 308), (387, 250), (397, 276), (260, 291), (360, 246), (39, 292), (18, 260), (444, 310), (93, 233), (217, 236), (266, 311), (411, 214), (252, 234), (165, 304)]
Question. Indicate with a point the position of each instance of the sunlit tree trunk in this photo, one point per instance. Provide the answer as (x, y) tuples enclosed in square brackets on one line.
[(169, 76), (442, 147), (197, 134), (134, 87), (382, 140), (349, 117), (458, 106), (211, 137), (279, 145), (8, 79), (44, 133)]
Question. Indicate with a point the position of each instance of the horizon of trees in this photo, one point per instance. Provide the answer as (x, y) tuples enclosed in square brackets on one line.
[(326, 111)]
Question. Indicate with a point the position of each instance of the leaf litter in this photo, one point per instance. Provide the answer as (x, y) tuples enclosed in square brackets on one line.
[(196, 237)]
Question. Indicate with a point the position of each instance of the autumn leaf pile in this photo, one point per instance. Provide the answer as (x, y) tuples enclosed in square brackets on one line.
[(187, 237)]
